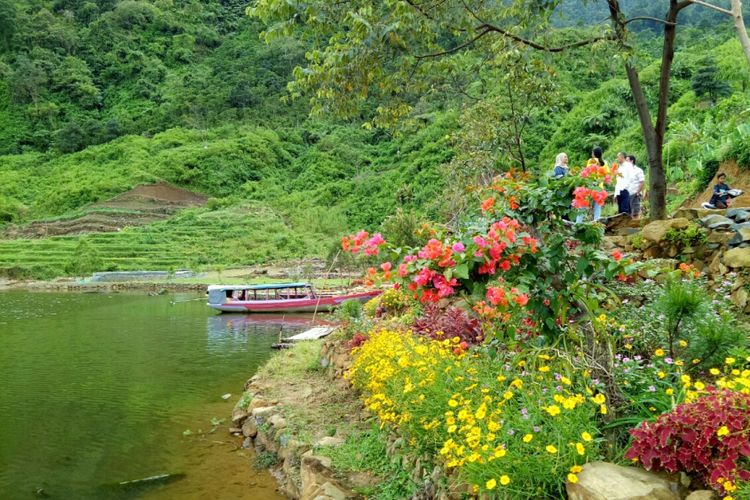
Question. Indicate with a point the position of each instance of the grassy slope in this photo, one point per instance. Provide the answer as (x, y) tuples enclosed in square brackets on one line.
[(275, 196)]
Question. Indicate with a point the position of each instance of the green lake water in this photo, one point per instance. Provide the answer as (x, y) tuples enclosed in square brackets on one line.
[(96, 389)]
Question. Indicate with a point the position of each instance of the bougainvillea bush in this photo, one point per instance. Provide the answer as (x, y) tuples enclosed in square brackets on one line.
[(518, 262)]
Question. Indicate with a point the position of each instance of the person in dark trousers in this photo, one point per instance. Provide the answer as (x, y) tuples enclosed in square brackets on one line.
[(635, 187), (720, 196)]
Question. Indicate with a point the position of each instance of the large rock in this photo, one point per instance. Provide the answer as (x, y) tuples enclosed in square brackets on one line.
[(264, 411), (739, 298), (696, 213), (249, 428), (737, 258), (656, 231), (717, 222), (738, 214), (605, 481), (701, 495), (741, 235), (329, 441), (318, 481)]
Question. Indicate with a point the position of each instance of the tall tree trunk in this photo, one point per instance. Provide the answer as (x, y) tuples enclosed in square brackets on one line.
[(656, 177), (739, 26), (653, 135)]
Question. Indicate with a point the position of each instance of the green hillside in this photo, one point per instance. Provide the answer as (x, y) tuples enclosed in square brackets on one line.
[(97, 98)]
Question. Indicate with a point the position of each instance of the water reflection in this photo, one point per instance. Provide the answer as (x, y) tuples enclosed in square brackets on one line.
[(128, 374), (236, 332)]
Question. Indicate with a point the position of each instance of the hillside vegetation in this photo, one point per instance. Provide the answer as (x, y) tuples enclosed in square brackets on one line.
[(97, 98)]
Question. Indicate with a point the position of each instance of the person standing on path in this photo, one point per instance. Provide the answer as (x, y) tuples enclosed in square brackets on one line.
[(635, 187), (622, 186), (597, 158), (561, 166)]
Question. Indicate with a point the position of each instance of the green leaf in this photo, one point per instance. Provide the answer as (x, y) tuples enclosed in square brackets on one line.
[(461, 271)]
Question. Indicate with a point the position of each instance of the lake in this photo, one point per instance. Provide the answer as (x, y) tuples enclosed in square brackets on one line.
[(97, 389)]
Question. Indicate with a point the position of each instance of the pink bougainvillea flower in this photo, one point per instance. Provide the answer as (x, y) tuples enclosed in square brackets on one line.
[(403, 271), (481, 243), (424, 276), (458, 247), (372, 245)]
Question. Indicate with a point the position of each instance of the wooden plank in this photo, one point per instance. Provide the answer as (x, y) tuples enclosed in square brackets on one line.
[(311, 334)]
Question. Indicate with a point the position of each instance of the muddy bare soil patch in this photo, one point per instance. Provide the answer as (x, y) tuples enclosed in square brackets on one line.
[(139, 206)]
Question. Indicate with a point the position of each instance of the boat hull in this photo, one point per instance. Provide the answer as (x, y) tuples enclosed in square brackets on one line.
[(318, 304)]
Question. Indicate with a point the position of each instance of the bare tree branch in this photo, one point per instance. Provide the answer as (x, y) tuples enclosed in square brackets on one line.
[(538, 46), (648, 18), (710, 6), (456, 48)]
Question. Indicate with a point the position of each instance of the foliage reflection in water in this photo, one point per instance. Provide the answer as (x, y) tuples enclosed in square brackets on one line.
[(102, 388)]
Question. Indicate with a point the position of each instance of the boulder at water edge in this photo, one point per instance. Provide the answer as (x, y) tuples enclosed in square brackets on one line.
[(605, 481)]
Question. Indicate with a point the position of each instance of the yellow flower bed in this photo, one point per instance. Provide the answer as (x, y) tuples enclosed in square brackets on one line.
[(522, 424)]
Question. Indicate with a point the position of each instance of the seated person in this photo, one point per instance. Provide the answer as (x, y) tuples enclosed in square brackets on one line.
[(720, 196)]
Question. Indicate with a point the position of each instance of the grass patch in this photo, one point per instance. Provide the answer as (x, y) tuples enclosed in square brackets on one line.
[(312, 403), (365, 451), (293, 363), (265, 460)]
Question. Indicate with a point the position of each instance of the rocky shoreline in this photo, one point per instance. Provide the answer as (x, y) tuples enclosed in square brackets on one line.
[(259, 418)]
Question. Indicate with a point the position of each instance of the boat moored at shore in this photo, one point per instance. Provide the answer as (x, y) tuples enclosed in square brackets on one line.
[(279, 297)]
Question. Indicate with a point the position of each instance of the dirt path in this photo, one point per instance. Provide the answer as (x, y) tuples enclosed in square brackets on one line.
[(737, 178)]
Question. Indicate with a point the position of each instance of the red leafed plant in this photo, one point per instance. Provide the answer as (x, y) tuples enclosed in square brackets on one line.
[(709, 437), (357, 340), (438, 323)]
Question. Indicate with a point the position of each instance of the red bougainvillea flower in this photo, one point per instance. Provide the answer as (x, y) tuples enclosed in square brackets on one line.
[(497, 296), (488, 204), (617, 255), (521, 299), (600, 197), (580, 197)]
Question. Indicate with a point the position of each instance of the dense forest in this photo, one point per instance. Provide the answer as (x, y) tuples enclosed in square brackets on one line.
[(97, 97)]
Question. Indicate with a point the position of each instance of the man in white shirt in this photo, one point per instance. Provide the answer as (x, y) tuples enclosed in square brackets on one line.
[(622, 186), (635, 187)]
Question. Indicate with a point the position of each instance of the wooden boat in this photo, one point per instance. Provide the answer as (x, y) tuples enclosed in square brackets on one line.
[(279, 297)]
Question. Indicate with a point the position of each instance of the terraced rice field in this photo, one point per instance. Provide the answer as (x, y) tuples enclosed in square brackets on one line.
[(197, 238)]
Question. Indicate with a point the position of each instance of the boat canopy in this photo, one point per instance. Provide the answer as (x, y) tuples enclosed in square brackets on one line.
[(269, 286)]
